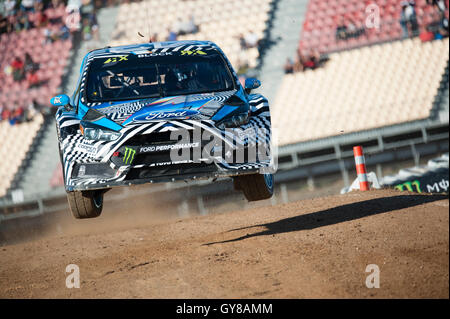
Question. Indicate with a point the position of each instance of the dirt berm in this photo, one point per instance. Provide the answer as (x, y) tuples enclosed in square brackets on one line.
[(316, 248)]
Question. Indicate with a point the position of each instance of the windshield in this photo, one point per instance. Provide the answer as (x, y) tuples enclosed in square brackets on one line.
[(129, 76)]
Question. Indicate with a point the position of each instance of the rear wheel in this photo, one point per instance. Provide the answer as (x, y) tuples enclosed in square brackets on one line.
[(255, 186), (85, 204)]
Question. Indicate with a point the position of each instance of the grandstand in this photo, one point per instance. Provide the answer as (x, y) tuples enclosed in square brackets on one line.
[(366, 88), (15, 141), (381, 90), (221, 21), (51, 57), (319, 28)]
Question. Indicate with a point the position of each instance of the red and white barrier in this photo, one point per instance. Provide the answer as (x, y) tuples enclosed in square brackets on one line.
[(361, 168)]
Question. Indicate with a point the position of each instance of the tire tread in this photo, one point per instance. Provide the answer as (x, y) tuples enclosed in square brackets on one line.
[(253, 186), (82, 204)]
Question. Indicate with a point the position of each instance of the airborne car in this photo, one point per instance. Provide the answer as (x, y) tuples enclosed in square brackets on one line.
[(161, 112)]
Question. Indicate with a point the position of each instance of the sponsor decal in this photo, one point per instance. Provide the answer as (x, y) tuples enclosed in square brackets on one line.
[(429, 186), (165, 115), (86, 148), (193, 52), (409, 186), (128, 157), (171, 163), (160, 148), (438, 187), (114, 59), (150, 54)]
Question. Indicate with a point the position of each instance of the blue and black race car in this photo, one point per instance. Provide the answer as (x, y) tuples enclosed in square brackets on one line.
[(161, 112)]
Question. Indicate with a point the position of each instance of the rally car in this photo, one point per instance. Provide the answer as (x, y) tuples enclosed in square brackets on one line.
[(161, 112)]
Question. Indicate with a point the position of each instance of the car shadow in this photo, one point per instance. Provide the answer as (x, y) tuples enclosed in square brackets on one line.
[(337, 215)]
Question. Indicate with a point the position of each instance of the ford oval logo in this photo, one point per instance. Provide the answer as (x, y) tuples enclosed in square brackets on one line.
[(152, 116)]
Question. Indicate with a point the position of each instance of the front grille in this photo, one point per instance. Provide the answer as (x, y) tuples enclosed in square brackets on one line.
[(148, 158), (170, 170), (151, 139)]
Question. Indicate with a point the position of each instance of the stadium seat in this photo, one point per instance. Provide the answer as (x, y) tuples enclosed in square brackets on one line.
[(360, 89), (322, 18), (213, 17)]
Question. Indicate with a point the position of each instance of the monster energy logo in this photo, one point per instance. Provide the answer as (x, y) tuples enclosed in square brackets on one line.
[(129, 155), (409, 186)]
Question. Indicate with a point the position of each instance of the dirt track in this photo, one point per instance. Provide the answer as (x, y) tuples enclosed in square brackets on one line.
[(309, 249)]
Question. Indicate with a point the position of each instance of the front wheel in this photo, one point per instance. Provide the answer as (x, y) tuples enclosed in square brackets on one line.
[(85, 204), (255, 186)]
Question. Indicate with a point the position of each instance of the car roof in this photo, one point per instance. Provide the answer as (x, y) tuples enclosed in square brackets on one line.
[(166, 46)]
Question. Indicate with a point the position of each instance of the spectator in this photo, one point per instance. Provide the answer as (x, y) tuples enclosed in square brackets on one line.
[(38, 6), (177, 27), (33, 79), (94, 25), (440, 4), (73, 5), (55, 4), (5, 26), (172, 36), (16, 116), (353, 31), (22, 21), (188, 27), (49, 35), (64, 32), (427, 35), (18, 69), (153, 38), (442, 29), (439, 26), (299, 60), (310, 62), (344, 31), (29, 64), (30, 112), (242, 42), (10, 7), (6, 114), (39, 108), (27, 5), (87, 35), (341, 30), (251, 40), (288, 66), (41, 19), (408, 18)]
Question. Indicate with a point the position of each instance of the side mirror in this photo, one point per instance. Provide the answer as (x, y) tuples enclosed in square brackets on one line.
[(60, 100), (251, 83)]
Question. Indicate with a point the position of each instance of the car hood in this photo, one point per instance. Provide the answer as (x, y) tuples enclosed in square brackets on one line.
[(194, 106)]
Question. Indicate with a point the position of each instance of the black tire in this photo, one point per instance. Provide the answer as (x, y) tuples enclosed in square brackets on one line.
[(255, 186), (85, 204)]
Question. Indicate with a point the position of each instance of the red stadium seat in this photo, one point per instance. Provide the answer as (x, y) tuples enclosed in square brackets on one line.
[(322, 17)]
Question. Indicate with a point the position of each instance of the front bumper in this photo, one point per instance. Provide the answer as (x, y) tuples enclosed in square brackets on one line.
[(199, 175), (148, 158)]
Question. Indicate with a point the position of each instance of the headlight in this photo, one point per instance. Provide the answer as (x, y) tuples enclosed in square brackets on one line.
[(234, 121), (90, 133)]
